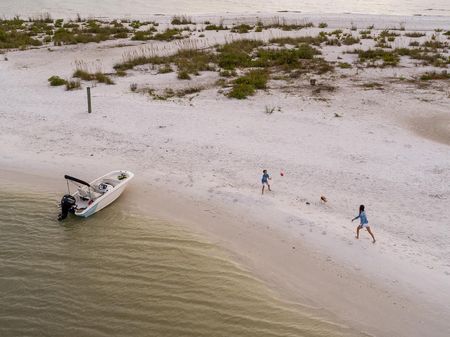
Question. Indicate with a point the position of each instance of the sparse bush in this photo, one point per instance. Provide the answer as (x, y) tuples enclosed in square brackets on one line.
[(102, 78), (241, 29), (72, 85), (56, 81), (323, 25), (344, 65), (83, 74), (414, 34), (444, 75), (165, 69), (133, 87), (241, 91), (181, 20), (183, 75), (216, 27)]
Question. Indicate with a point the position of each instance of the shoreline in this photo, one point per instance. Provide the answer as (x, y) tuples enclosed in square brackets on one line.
[(295, 270)]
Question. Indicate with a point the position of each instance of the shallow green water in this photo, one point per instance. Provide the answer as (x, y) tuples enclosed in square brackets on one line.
[(119, 274)]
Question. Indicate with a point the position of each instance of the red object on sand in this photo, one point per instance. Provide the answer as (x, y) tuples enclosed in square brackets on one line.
[(282, 173)]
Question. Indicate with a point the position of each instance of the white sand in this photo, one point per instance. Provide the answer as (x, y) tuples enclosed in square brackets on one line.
[(199, 161)]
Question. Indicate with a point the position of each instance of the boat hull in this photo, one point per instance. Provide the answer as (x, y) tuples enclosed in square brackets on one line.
[(108, 197)]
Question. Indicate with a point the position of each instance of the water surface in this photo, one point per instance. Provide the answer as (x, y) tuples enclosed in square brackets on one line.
[(120, 8), (121, 274)]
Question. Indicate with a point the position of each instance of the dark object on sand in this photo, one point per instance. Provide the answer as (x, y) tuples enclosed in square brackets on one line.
[(323, 198)]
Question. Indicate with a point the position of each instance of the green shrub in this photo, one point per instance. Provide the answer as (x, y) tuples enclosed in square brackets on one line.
[(183, 75), (323, 25), (241, 29), (181, 20), (84, 75), (216, 28), (414, 34), (242, 91), (344, 65), (102, 78), (56, 81)]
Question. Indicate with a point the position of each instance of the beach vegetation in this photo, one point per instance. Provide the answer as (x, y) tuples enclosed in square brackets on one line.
[(216, 27), (294, 41), (56, 81), (389, 58), (414, 34), (414, 44), (73, 85), (168, 35), (241, 29), (429, 76), (323, 25), (372, 85), (181, 20), (165, 69), (344, 65), (349, 40), (247, 84), (97, 76)]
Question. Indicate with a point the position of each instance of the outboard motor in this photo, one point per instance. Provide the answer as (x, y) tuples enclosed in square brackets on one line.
[(68, 204)]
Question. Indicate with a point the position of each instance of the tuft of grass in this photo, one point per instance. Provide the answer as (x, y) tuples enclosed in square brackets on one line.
[(247, 85), (102, 78), (73, 84), (429, 76), (323, 25), (389, 58), (241, 29), (414, 34), (349, 40), (183, 75), (168, 35), (181, 20), (83, 74), (373, 85), (216, 27), (56, 81), (237, 53), (344, 65), (165, 69)]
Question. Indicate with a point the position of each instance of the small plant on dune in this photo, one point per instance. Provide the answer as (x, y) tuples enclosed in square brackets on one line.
[(183, 75), (241, 29), (247, 85), (56, 81), (344, 65), (133, 87), (165, 69), (73, 84), (444, 75), (323, 25), (181, 20), (349, 40), (102, 78), (216, 27), (414, 34), (83, 74)]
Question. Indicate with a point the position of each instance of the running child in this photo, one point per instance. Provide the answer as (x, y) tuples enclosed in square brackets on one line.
[(363, 223)]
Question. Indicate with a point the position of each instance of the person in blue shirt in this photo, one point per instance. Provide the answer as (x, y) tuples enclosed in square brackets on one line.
[(265, 181), (363, 223)]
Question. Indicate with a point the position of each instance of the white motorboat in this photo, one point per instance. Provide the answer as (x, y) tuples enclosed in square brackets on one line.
[(90, 198)]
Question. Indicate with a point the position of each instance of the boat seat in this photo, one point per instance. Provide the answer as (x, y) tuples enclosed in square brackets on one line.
[(84, 194)]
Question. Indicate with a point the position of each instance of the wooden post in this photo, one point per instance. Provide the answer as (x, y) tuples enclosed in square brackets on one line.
[(89, 99)]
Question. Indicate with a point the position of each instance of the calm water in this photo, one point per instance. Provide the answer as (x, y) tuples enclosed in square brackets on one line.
[(118, 274), (120, 8)]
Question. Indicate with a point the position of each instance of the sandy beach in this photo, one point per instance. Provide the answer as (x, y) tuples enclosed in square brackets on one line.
[(377, 136)]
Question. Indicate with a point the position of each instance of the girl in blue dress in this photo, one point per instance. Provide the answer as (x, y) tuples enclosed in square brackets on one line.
[(363, 223)]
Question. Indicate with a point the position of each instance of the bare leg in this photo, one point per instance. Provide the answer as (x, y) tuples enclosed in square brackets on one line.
[(371, 234), (268, 186), (263, 189), (357, 232)]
